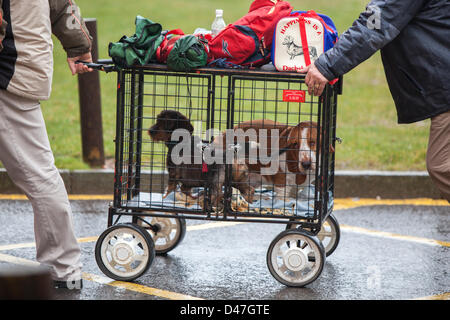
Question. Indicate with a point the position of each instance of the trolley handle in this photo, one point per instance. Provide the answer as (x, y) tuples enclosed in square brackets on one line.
[(101, 65)]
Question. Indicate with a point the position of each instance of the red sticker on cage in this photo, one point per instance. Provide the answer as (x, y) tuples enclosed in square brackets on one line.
[(294, 95)]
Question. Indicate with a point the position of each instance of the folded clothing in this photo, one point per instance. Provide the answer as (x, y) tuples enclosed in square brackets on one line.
[(140, 48)]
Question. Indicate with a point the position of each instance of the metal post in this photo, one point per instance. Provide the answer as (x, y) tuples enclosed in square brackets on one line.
[(91, 108)]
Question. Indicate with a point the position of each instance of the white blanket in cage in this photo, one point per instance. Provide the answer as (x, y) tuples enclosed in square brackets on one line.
[(265, 203)]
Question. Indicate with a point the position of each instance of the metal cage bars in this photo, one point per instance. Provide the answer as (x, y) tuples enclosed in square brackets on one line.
[(225, 99)]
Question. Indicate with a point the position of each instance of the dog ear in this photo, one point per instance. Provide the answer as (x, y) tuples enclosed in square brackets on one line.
[(294, 137)]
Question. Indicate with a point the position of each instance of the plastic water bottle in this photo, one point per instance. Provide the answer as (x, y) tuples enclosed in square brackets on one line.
[(218, 23)]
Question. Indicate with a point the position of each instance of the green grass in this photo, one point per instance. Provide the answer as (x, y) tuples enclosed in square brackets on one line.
[(367, 120)]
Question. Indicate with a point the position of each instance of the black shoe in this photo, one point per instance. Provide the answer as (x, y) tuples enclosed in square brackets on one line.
[(72, 285)]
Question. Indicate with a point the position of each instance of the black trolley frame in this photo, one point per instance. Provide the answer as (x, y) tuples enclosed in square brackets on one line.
[(220, 98)]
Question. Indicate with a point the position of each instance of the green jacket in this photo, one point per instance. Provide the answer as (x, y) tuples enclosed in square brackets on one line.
[(26, 60)]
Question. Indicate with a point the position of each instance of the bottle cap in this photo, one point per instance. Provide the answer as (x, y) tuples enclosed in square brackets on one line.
[(219, 12)]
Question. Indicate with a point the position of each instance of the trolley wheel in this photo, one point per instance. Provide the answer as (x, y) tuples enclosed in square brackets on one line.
[(296, 258), (124, 252), (170, 232), (329, 234)]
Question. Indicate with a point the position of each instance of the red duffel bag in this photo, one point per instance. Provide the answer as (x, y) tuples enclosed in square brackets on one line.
[(248, 41)]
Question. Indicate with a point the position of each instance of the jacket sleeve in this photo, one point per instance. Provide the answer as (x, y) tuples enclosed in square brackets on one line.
[(69, 27), (3, 25), (377, 26)]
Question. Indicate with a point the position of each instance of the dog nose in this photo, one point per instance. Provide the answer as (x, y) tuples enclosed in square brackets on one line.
[(306, 164)]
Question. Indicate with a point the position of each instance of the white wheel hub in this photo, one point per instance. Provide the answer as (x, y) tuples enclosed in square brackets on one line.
[(294, 259), (122, 253)]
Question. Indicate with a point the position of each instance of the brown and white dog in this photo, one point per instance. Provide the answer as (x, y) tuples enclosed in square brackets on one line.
[(296, 159)]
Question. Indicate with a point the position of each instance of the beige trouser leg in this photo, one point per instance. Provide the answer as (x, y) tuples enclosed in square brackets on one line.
[(25, 152), (438, 155)]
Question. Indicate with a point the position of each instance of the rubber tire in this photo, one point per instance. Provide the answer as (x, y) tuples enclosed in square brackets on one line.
[(304, 233), (178, 241), (148, 239)]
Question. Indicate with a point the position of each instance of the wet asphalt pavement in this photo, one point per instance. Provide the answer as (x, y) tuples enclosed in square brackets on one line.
[(385, 252)]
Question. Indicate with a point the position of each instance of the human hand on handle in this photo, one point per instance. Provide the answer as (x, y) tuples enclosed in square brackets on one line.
[(78, 68), (315, 81)]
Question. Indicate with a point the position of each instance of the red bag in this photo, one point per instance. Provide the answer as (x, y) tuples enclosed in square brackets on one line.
[(167, 44), (248, 41)]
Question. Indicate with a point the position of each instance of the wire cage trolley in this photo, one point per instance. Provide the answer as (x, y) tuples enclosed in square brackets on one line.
[(222, 145)]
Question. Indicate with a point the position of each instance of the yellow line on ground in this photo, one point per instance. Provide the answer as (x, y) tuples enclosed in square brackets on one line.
[(33, 244), (13, 197), (16, 260), (443, 296), (340, 203), (87, 239), (104, 280), (394, 236), (90, 197), (17, 246), (347, 203), (138, 288)]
